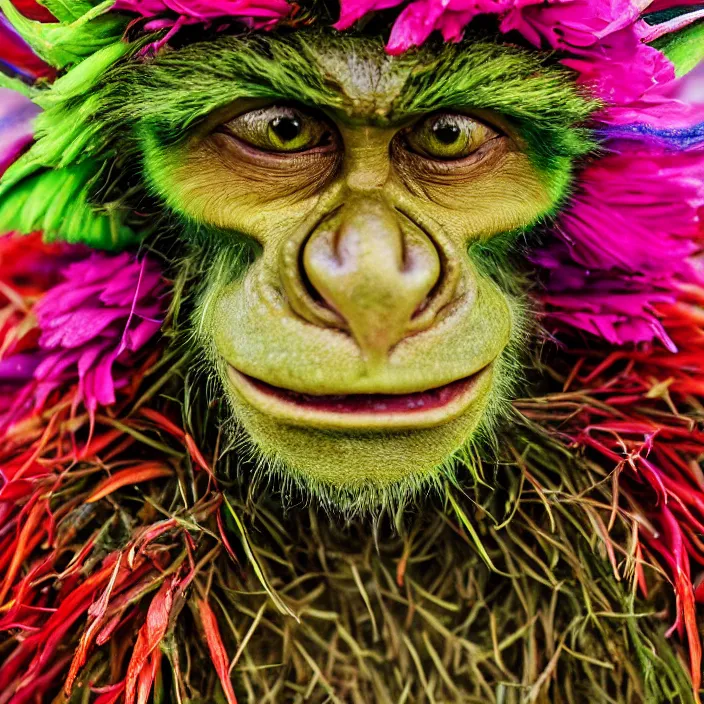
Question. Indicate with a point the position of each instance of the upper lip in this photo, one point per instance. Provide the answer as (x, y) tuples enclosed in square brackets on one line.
[(424, 408)]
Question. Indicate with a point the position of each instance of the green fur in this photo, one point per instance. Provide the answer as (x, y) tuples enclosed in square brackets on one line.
[(523, 86), (166, 102), (215, 260), (50, 186), (540, 98)]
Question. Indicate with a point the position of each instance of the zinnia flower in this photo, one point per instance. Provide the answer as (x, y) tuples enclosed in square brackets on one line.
[(91, 326), (108, 309)]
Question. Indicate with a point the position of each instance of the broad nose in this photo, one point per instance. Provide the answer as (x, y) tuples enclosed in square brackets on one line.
[(375, 269)]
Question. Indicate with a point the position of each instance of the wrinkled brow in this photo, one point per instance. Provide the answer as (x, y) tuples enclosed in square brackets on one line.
[(353, 78)]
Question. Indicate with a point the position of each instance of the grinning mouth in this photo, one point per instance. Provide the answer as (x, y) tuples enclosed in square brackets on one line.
[(419, 409)]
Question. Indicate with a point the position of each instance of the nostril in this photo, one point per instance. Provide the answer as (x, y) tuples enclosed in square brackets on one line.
[(443, 288), (423, 305), (370, 271), (314, 294), (303, 297)]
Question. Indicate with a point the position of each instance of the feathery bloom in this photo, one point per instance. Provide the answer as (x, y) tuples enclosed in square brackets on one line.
[(626, 244), (108, 308), (90, 326)]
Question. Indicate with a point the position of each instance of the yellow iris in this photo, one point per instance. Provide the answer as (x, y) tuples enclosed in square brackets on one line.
[(448, 136), (278, 129)]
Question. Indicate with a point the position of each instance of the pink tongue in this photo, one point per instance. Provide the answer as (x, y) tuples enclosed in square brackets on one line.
[(371, 403)]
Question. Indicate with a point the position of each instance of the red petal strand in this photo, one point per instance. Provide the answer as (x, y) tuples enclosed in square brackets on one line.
[(218, 654), (25, 542), (147, 676), (97, 611), (150, 635), (163, 422), (196, 454), (112, 696), (223, 538), (133, 475)]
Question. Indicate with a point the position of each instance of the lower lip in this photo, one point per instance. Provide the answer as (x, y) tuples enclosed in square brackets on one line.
[(362, 411)]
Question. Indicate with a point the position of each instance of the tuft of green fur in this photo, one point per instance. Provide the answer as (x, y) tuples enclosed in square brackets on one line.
[(532, 92), (56, 202), (528, 88)]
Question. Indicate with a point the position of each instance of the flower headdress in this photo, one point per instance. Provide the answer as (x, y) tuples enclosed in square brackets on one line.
[(622, 268)]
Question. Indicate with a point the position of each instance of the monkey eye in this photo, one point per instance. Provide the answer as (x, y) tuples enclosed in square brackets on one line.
[(448, 135), (281, 128)]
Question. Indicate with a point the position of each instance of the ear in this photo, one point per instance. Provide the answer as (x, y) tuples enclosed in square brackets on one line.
[(679, 34)]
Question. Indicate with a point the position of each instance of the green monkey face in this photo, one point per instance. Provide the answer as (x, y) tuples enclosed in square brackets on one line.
[(364, 346)]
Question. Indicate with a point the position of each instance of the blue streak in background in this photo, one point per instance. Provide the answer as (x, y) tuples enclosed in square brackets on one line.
[(677, 138)]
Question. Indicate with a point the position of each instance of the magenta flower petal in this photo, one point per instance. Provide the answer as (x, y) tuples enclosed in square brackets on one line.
[(107, 310), (628, 242)]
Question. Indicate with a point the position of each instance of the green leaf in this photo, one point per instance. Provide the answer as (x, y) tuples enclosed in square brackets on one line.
[(67, 10), (56, 202), (61, 44), (684, 48)]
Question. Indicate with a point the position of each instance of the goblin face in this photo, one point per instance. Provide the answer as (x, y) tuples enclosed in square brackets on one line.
[(363, 346)]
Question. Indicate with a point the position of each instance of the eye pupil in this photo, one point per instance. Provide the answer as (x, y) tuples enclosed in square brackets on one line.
[(286, 128), (446, 133)]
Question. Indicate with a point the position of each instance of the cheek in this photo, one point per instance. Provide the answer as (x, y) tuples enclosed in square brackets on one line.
[(202, 185)]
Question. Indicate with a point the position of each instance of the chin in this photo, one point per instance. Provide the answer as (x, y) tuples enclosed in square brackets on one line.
[(360, 452)]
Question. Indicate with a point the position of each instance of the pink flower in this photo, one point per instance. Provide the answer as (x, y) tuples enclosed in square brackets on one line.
[(91, 326), (604, 40), (618, 308), (108, 308), (628, 244), (174, 14)]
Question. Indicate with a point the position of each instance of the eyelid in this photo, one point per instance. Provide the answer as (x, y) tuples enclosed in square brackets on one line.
[(481, 117), (317, 122), (417, 138)]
